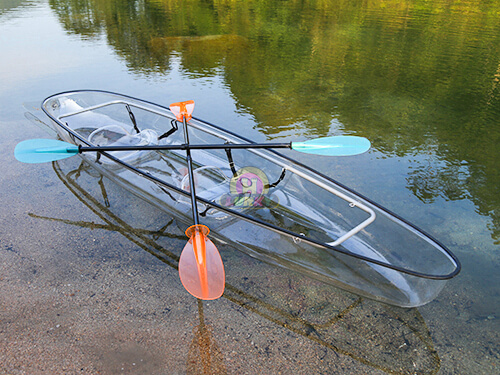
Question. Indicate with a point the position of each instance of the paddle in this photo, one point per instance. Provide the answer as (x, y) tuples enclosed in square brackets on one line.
[(45, 150), (200, 266)]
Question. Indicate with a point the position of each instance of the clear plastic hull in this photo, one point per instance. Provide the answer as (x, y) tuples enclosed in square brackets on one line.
[(263, 203)]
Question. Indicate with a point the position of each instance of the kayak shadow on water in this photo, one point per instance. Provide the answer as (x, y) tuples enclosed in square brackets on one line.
[(391, 339)]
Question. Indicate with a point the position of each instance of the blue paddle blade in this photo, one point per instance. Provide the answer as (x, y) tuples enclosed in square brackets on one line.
[(344, 145), (44, 150)]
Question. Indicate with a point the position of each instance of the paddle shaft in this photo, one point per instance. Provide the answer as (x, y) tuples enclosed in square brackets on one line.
[(189, 161), (186, 146), (45, 150)]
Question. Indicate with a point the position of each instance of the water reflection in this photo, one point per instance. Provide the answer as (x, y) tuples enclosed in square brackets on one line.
[(205, 356), (8, 7), (417, 78), (387, 338)]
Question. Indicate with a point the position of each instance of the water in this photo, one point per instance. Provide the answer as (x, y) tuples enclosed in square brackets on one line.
[(419, 79)]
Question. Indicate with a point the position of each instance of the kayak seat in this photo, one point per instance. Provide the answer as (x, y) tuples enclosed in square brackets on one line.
[(210, 182), (117, 135)]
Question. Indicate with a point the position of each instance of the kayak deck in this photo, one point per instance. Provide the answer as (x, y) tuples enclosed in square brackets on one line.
[(264, 203)]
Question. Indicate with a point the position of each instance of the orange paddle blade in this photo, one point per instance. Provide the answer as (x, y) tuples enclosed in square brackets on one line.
[(200, 267), (182, 109)]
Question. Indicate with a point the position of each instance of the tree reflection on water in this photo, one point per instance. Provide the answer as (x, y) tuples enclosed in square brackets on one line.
[(417, 78)]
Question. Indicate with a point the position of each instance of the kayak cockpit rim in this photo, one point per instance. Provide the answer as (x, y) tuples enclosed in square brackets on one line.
[(333, 246), (352, 202)]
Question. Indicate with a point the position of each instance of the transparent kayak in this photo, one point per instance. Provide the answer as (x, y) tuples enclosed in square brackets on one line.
[(257, 200)]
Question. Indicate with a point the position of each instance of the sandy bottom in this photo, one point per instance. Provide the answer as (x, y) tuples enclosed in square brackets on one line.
[(89, 285)]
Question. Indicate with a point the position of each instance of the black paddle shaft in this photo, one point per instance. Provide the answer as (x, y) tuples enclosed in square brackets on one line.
[(189, 161), (186, 146)]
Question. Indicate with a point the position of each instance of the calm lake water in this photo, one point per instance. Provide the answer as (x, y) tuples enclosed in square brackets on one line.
[(420, 79)]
